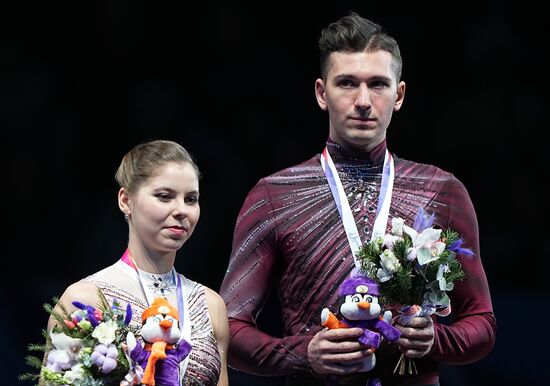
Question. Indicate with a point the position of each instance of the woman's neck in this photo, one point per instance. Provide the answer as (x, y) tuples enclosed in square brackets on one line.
[(149, 261)]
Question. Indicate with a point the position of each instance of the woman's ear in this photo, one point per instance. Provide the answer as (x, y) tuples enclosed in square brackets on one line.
[(124, 201)]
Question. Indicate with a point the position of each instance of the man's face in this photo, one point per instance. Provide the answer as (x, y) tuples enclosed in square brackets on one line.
[(360, 93)]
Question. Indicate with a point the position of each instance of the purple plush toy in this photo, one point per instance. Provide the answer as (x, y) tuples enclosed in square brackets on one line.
[(164, 349), (360, 308)]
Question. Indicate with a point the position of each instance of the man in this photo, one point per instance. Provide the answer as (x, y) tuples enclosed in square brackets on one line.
[(295, 235)]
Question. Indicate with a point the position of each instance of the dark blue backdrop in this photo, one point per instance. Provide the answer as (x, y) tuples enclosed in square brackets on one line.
[(83, 82)]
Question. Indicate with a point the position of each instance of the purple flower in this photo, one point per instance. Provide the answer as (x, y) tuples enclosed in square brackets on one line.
[(422, 221), (457, 248), (91, 316), (128, 316), (89, 311), (79, 305)]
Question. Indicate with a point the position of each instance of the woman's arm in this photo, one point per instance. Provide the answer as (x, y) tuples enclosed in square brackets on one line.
[(218, 318)]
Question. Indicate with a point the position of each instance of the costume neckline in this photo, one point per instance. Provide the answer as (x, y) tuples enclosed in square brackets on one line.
[(340, 154), (160, 284)]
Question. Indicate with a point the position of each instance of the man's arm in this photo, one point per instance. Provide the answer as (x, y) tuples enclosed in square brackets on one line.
[(249, 279), (471, 335)]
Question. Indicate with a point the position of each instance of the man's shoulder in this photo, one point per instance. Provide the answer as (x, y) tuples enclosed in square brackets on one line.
[(299, 175), (408, 168), (298, 170)]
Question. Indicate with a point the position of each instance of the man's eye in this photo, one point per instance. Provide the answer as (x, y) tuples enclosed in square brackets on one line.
[(379, 84), (346, 83)]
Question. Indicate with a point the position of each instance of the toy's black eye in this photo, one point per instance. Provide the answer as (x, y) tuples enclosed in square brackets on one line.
[(356, 298), (369, 299)]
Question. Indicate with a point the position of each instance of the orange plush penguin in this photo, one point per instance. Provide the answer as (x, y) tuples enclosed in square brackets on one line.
[(163, 350)]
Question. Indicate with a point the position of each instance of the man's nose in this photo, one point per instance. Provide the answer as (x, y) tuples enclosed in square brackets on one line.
[(362, 101)]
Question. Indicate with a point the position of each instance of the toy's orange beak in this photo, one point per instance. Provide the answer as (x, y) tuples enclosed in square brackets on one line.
[(363, 305), (166, 324)]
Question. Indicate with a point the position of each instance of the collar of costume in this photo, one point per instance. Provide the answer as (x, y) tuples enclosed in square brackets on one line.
[(130, 266), (342, 203)]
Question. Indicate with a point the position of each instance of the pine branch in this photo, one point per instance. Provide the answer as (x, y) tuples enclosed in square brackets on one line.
[(37, 347), (33, 361)]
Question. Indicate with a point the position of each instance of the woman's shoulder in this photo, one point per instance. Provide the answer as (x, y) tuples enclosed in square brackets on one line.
[(213, 298), (195, 288), (82, 291), (107, 272), (214, 302), (88, 289)]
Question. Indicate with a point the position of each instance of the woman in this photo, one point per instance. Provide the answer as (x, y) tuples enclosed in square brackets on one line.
[(159, 196)]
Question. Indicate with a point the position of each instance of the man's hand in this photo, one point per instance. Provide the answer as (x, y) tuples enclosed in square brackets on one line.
[(337, 351), (417, 338)]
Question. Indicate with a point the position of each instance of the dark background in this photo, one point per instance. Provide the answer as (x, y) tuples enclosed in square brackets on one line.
[(83, 82)]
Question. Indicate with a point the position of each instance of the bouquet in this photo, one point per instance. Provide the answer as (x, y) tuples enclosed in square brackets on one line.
[(85, 348), (415, 268)]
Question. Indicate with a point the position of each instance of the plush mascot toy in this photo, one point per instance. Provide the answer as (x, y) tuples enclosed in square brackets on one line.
[(163, 350), (359, 295)]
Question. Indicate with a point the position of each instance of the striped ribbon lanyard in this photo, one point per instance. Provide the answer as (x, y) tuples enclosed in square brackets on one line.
[(342, 203)]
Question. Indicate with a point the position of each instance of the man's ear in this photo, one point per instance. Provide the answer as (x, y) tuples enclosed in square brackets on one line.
[(400, 96), (320, 94)]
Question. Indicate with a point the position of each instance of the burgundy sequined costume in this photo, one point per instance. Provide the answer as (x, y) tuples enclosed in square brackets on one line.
[(289, 235)]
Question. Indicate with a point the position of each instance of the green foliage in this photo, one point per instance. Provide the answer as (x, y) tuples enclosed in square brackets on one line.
[(411, 283)]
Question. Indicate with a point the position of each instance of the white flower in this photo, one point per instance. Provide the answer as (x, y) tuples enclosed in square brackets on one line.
[(76, 372), (105, 332), (389, 263), (62, 356), (443, 286), (426, 247), (397, 226), (389, 240), (62, 341)]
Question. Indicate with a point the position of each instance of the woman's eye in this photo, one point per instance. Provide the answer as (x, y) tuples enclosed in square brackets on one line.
[(192, 199), (164, 196)]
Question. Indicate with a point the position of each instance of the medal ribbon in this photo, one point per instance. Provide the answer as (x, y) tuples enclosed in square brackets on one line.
[(342, 203)]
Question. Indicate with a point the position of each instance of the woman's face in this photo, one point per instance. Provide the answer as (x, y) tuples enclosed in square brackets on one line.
[(165, 208)]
